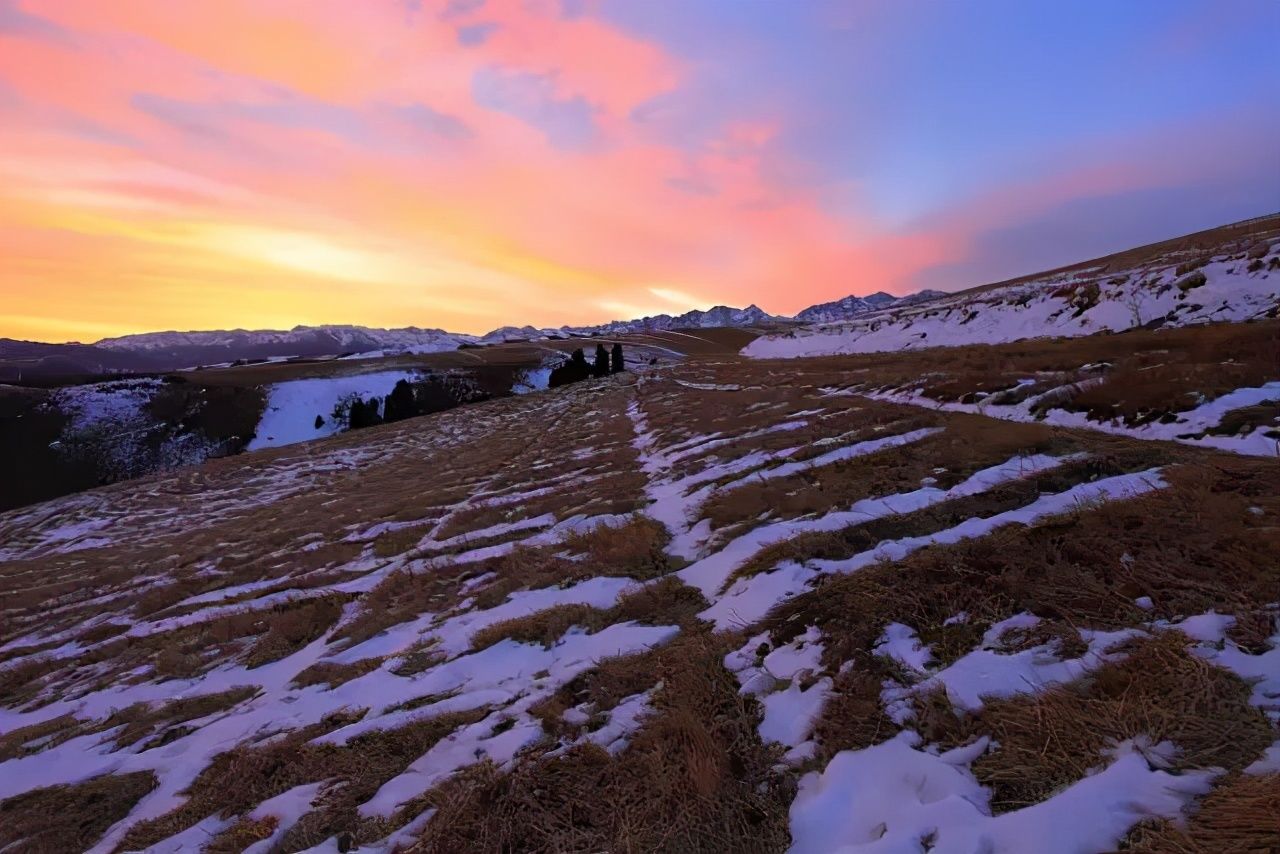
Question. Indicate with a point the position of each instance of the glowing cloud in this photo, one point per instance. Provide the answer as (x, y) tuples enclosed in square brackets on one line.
[(272, 162)]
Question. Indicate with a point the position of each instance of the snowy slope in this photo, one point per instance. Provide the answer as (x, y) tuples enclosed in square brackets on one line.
[(1080, 303), (292, 407), (109, 422), (407, 637)]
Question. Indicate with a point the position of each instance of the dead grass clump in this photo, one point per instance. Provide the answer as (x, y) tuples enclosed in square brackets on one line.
[(241, 835), (20, 683), (853, 610), (1065, 639), (1263, 416), (399, 597), (1192, 264), (70, 818), (45, 734), (174, 663), (291, 629), (853, 717), (528, 569), (240, 779), (392, 543), (420, 656), (694, 778), (968, 443), (142, 719), (542, 627), (668, 601), (362, 766), (1209, 551), (333, 674), (1241, 814), (634, 549), (157, 599), (604, 686), (855, 539), (1152, 372), (405, 594), (101, 632), (1052, 739)]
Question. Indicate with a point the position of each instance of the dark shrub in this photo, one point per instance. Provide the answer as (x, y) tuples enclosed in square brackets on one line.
[(400, 403), (572, 371), (364, 413)]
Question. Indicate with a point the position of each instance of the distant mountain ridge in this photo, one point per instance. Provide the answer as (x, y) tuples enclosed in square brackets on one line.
[(171, 350), (852, 306), (299, 341), (717, 316)]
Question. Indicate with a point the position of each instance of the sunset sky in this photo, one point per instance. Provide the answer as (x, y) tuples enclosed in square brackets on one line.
[(200, 164)]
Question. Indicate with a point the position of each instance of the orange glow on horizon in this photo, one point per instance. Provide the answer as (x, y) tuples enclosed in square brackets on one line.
[(245, 164), (268, 163)]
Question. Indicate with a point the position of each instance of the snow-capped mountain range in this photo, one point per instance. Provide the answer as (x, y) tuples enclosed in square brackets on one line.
[(718, 316), (299, 341), (169, 350), (852, 306)]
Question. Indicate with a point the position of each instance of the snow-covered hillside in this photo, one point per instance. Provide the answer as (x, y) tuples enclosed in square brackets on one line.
[(110, 424), (718, 606), (1228, 286), (299, 410)]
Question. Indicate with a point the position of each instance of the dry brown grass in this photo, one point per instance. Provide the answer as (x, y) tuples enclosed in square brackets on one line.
[(855, 539), (1209, 551), (634, 549), (1263, 416), (967, 444), (853, 717), (1169, 371), (13, 743), (141, 720), (333, 674), (1152, 373), (405, 594), (242, 778), (259, 636), (667, 601), (20, 683), (694, 778), (542, 627), (241, 835), (69, 818), (292, 629), (1241, 815), (1053, 738)]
